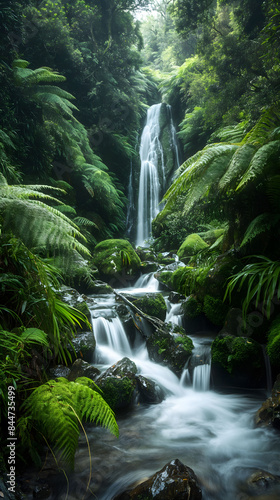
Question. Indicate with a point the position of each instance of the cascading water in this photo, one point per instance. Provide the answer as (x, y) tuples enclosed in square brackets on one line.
[(211, 432), (151, 156)]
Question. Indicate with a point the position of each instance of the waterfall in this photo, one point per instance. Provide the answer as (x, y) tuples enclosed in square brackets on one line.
[(174, 142), (130, 207), (151, 156)]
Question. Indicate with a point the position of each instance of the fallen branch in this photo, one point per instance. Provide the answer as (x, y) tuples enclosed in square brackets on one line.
[(156, 322)]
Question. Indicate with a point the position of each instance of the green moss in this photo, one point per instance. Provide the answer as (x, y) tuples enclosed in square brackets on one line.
[(186, 342), (215, 310), (113, 256), (191, 246), (118, 393), (273, 345), (165, 277), (192, 307), (153, 305), (235, 353), (182, 280)]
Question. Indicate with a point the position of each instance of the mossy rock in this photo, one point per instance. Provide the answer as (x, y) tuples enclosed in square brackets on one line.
[(215, 310), (115, 257), (118, 384), (165, 278), (214, 280), (172, 350), (191, 307), (237, 361), (191, 246), (153, 305), (273, 345)]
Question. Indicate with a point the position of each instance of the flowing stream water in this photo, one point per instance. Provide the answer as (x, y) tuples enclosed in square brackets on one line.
[(210, 431)]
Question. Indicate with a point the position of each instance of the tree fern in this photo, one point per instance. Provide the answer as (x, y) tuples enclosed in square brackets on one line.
[(57, 407)]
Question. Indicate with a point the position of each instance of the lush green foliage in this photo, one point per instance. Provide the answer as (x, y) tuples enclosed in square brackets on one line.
[(57, 408), (262, 279)]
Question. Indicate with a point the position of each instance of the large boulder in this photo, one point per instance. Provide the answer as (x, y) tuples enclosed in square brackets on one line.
[(191, 246), (118, 384), (237, 362), (82, 369), (175, 481), (170, 349), (116, 261), (269, 413), (80, 302)]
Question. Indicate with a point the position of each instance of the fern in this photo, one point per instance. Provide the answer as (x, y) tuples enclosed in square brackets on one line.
[(262, 279), (199, 174), (261, 162), (57, 407), (238, 165), (261, 224)]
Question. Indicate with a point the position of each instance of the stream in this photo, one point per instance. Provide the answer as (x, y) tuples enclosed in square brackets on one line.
[(211, 432)]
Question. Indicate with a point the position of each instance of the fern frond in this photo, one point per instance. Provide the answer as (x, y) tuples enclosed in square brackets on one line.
[(239, 163), (56, 408), (262, 223), (261, 162), (206, 169), (264, 128)]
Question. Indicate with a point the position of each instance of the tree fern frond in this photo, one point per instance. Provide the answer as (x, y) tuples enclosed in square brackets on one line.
[(205, 169), (239, 163), (82, 221), (231, 133), (264, 159), (264, 128), (262, 223)]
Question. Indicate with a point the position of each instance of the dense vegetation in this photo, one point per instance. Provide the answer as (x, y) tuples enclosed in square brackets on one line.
[(76, 78)]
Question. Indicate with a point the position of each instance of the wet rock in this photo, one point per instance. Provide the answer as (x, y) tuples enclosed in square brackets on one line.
[(83, 369), (100, 288), (175, 481), (175, 297), (260, 484), (237, 362), (118, 384), (269, 413), (153, 305), (84, 345), (59, 371), (145, 254), (170, 349), (149, 391), (81, 302), (149, 267)]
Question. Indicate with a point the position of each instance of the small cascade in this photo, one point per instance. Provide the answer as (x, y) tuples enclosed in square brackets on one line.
[(111, 339), (198, 369), (174, 314), (151, 156), (146, 283)]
